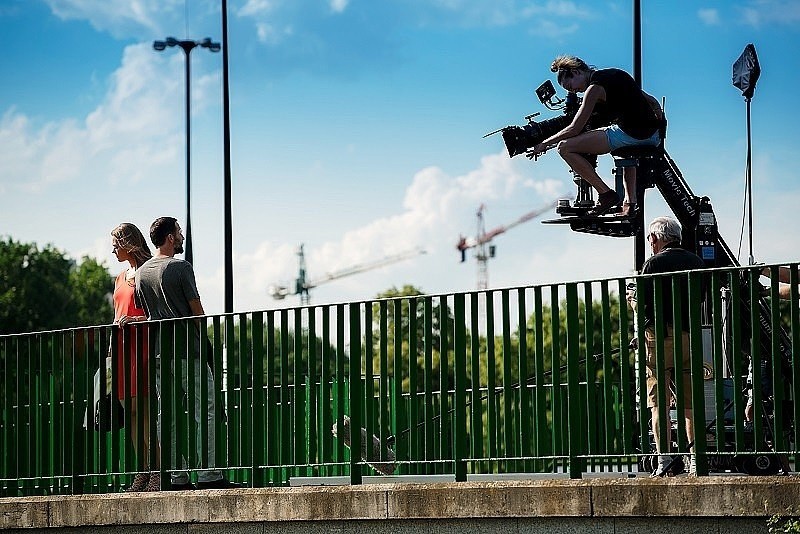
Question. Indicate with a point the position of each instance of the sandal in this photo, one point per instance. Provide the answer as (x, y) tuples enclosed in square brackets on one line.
[(605, 202), (628, 210), (140, 482)]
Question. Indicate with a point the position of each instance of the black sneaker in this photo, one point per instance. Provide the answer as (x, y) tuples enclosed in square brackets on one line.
[(222, 483), (187, 486)]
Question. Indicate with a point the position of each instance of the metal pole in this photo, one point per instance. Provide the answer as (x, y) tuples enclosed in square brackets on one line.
[(749, 186), (226, 136), (639, 238), (187, 49)]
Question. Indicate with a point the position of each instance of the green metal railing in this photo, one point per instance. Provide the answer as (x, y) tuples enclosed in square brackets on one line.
[(536, 379)]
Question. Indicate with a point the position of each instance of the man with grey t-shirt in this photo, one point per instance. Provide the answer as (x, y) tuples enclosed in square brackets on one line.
[(166, 289)]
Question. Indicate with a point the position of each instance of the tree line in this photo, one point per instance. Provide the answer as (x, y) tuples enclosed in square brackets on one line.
[(45, 289)]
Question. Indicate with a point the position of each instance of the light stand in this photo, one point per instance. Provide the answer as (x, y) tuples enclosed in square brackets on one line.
[(746, 71), (187, 47)]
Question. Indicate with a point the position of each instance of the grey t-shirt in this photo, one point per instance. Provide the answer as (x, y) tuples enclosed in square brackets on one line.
[(164, 287)]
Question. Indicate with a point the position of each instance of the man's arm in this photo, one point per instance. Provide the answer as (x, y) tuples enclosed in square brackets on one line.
[(784, 287), (196, 307)]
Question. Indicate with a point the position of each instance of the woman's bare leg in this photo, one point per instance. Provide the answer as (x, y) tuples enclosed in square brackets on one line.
[(572, 150)]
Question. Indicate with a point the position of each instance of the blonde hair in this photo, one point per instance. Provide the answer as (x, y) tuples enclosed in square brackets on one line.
[(130, 238), (564, 64)]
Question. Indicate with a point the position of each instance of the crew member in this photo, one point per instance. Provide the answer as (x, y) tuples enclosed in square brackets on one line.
[(636, 118), (664, 236)]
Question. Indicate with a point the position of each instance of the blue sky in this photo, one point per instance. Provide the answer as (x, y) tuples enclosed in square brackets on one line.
[(357, 129)]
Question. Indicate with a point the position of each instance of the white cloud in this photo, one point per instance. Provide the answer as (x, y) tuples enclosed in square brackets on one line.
[(121, 18), (762, 12), (133, 131), (437, 208), (338, 6), (269, 34), (709, 16), (255, 7)]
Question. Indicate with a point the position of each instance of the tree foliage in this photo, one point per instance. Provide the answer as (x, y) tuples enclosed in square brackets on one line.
[(43, 289)]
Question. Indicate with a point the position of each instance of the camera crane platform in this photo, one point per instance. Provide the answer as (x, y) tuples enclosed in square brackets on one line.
[(655, 169)]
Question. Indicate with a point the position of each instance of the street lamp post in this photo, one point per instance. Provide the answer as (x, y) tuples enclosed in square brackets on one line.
[(187, 47)]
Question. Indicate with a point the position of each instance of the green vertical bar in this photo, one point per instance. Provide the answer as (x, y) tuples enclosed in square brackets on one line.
[(794, 317), (183, 417), (660, 325), (245, 399), (555, 370), (697, 374), (626, 406), (313, 391), (221, 422), (341, 383), (677, 358), (259, 431), (577, 445), (427, 343), (142, 396), (609, 427), (476, 408), (717, 332), (285, 410), (103, 452), (460, 361), (779, 428), (541, 442), (326, 399), (200, 358), (6, 424), (508, 388), (593, 430), (55, 414), (230, 400), (755, 353), (398, 414), (165, 345), (524, 395), (272, 435), (298, 396), (445, 429), (641, 376), (491, 383), (383, 404), (737, 328), (413, 390), (356, 417), (369, 383)]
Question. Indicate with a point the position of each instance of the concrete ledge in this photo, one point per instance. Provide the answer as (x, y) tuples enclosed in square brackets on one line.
[(754, 497)]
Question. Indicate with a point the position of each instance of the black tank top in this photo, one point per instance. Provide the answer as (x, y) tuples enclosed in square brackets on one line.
[(625, 104)]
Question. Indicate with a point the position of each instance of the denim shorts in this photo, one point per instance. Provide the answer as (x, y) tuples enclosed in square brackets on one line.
[(618, 139)]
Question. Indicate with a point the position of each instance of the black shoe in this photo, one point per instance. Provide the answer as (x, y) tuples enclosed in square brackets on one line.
[(188, 486), (222, 483), (605, 202)]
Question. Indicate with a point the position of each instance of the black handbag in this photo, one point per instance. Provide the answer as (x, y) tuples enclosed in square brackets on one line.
[(109, 414)]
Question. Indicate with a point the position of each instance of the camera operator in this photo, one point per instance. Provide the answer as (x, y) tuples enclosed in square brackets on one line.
[(636, 119)]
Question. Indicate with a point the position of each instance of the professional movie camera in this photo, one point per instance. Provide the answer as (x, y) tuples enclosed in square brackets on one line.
[(518, 139)]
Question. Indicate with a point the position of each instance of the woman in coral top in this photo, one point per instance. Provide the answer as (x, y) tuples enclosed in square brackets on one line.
[(128, 244)]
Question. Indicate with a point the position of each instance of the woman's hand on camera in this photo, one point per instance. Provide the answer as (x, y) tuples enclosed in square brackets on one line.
[(537, 150)]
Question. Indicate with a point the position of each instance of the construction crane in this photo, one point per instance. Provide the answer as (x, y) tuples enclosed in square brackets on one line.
[(303, 285), (483, 238)]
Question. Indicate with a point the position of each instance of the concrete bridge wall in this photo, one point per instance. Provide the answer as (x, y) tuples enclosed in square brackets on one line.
[(679, 505)]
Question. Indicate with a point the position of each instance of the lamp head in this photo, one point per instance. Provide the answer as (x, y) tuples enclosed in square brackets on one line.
[(171, 41), (159, 45), (211, 45)]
